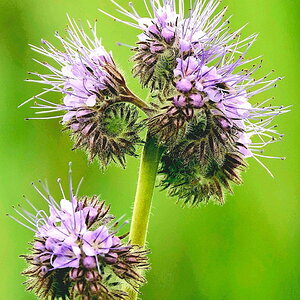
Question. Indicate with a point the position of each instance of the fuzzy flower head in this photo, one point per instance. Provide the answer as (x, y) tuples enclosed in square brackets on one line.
[(210, 120), (203, 89), (92, 89), (169, 32), (77, 251)]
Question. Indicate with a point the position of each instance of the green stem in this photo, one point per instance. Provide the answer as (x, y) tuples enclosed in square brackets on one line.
[(129, 97), (142, 205)]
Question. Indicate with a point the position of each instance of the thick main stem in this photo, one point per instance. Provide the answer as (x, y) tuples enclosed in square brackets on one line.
[(146, 182), (142, 205)]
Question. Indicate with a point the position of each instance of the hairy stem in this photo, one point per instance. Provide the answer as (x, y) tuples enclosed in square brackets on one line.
[(142, 205), (128, 96)]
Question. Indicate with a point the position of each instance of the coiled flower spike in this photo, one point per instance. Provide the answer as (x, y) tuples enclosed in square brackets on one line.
[(168, 33), (201, 84), (202, 90), (97, 106), (77, 252)]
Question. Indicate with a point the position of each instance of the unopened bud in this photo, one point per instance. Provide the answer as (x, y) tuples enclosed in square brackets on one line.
[(89, 262), (76, 274)]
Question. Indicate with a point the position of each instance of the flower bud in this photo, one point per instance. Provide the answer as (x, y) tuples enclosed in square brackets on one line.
[(108, 134), (76, 274), (79, 287), (91, 275), (94, 91), (95, 288), (89, 262), (111, 258)]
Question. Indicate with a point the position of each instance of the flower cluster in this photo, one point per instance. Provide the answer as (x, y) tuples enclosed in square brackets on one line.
[(93, 88), (202, 91), (197, 70), (168, 34), (156, 50), (77, 251)]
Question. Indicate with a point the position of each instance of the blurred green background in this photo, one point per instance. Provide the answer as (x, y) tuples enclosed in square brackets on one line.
[(247, 249)]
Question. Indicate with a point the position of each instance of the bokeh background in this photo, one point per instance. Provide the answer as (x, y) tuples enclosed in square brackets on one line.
[(247, 249)]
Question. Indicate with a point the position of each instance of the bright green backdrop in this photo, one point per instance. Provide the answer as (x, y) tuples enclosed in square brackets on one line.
[(247, 249)]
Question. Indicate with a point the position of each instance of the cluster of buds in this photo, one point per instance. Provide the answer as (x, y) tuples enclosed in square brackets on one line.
[(201, 85), (201, 89), (77, 252), (97, 105), (201, 114)]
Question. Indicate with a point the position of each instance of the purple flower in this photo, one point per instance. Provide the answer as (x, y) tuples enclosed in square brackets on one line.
[(94, 95), (97, 242), (225, 94), (80, 73), (205, 87), (205, 59), (187, 68), (179, 101), (66, 256), (78, 241), (184, 85), (167, 20), (196, 100), (168, 32), (194, 78)]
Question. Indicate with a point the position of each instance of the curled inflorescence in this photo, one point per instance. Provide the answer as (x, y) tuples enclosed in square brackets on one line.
[(77, 252), (95, 105), (201, 84), (201, 89)]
